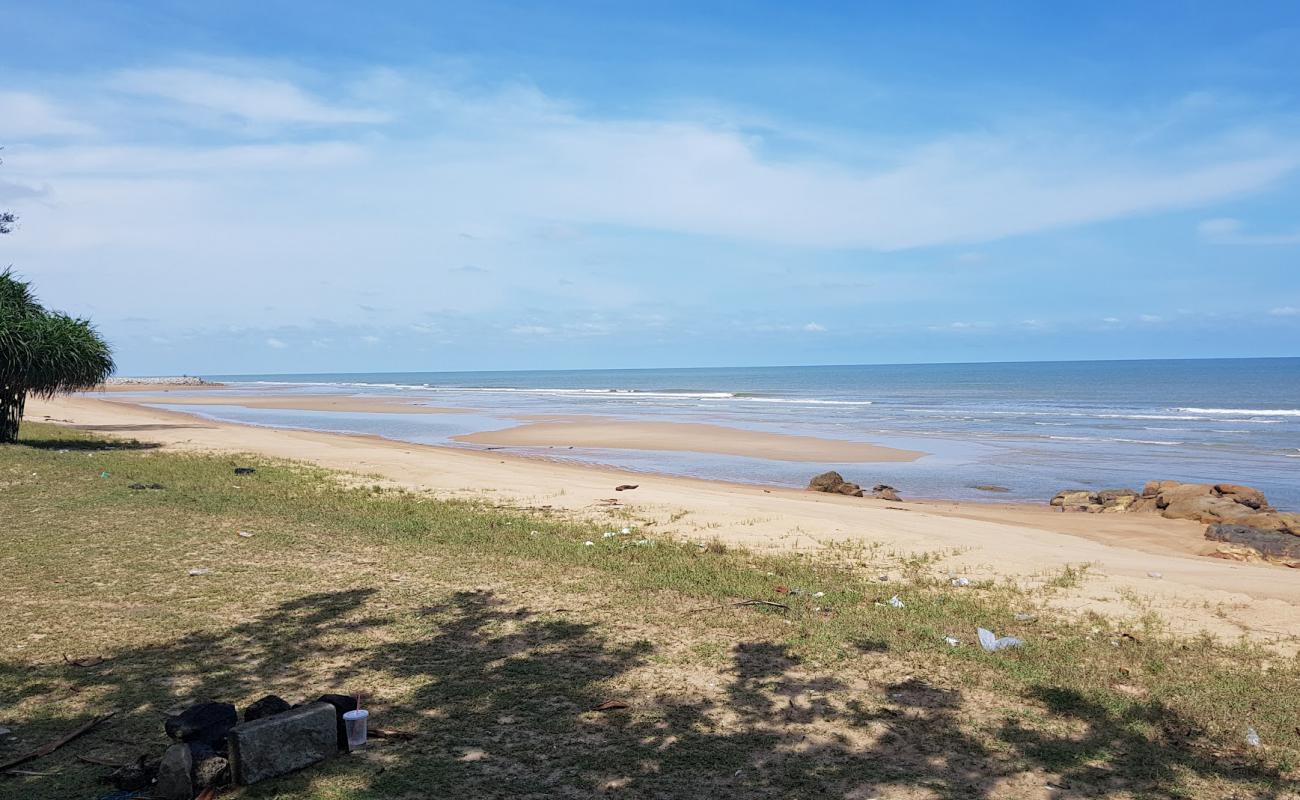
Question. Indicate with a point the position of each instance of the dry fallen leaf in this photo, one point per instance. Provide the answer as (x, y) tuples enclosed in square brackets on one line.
[(610, 705)]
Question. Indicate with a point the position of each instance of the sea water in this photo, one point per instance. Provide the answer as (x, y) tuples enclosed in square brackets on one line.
[(1033, 428)]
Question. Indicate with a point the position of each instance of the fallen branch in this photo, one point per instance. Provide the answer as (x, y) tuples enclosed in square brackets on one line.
[(50, 747), (762, 603), (389, 733), (84, 662), (101, 762)]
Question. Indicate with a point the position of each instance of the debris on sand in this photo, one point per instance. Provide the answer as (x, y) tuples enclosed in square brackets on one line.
[(992, 643), (623, 487)]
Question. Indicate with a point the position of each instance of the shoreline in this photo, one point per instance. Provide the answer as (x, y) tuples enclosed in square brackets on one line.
[(998, 541)]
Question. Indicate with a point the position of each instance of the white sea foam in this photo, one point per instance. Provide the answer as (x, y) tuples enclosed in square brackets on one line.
[(620, 394), (1251, 412)]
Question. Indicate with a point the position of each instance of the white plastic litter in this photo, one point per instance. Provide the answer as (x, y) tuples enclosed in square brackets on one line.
[(201, 571), (1154, 575), (895, 602), (992, 643), (819, 594), (961, 581), (952, 641), (608, 535), (246, 534), (1252, 738), (626, 531), (588, 543)]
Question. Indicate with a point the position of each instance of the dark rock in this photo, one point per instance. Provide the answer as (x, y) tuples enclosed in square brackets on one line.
[(1273, 545), (834, 483), (271, 704), (206, 722), (273, 746), (885, 492), (245, 470), (343, 703), (210, 769), (826, 482), (176, 774), (990, 487)]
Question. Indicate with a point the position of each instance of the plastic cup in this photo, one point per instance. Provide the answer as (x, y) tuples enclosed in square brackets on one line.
[(354, 722)]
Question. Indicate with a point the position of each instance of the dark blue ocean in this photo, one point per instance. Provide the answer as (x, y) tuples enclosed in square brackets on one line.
[(1031, 427)]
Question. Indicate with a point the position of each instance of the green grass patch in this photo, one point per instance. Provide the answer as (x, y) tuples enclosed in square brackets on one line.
[(491, 632)]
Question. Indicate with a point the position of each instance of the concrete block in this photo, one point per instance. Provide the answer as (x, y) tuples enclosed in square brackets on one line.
[(282, 743)]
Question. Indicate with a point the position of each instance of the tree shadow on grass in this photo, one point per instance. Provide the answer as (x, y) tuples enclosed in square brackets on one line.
[(85, 444), (502, 699)]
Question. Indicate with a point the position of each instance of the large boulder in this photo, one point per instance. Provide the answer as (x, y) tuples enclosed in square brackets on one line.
[(1208, 508), (1272, 545), (1180, 492), (1204, 502), (834, 483), (1244, 495)]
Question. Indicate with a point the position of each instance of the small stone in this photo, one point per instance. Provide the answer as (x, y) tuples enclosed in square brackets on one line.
[(205, 722), (210, 769), (266, 707), (175, 774), (246, 534)]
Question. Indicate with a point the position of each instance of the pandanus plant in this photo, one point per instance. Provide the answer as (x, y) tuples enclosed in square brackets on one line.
[(42, 353)]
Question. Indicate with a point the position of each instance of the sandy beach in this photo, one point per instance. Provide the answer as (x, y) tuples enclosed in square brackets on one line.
[(1136, 563), (687, 437)]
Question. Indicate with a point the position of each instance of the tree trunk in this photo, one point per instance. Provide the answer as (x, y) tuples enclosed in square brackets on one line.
[(12, 400)]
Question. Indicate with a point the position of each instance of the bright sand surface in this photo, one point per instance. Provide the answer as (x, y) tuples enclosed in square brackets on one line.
[(373, 405), (686, 436), (1028, 544)]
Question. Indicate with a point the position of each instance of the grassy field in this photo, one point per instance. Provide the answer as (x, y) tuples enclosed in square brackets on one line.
[(492, 633)]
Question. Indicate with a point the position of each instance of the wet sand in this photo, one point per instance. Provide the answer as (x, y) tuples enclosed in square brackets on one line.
[(687, 437)]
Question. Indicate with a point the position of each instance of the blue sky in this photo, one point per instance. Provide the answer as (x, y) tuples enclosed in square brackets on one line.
[(302, 187)]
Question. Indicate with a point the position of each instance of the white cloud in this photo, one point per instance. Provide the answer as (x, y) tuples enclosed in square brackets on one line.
[(275, 343), (372, 340), (1285, 311), (252, 99), (1110, 320), (1226, 230), (1150, 318), (27, 116), (813, 327), (532, 330)]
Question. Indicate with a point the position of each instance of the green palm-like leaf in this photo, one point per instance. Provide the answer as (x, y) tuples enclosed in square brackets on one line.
[(42, 353)]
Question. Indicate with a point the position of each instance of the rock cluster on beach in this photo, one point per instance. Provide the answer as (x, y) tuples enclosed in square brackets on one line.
[(1239, 516), (834, 483)]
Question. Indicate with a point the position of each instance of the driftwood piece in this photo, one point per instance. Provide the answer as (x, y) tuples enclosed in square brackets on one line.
[(50, 747)]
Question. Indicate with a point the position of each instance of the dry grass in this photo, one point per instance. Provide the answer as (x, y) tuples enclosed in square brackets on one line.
[(491, 633)]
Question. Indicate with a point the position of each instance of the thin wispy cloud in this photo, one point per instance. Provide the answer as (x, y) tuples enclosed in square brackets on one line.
[(1226, 230), (245, 98)]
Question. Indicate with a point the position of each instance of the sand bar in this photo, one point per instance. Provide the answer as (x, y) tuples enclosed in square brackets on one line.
[(688, 437), (368, 405), (978, 540)]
